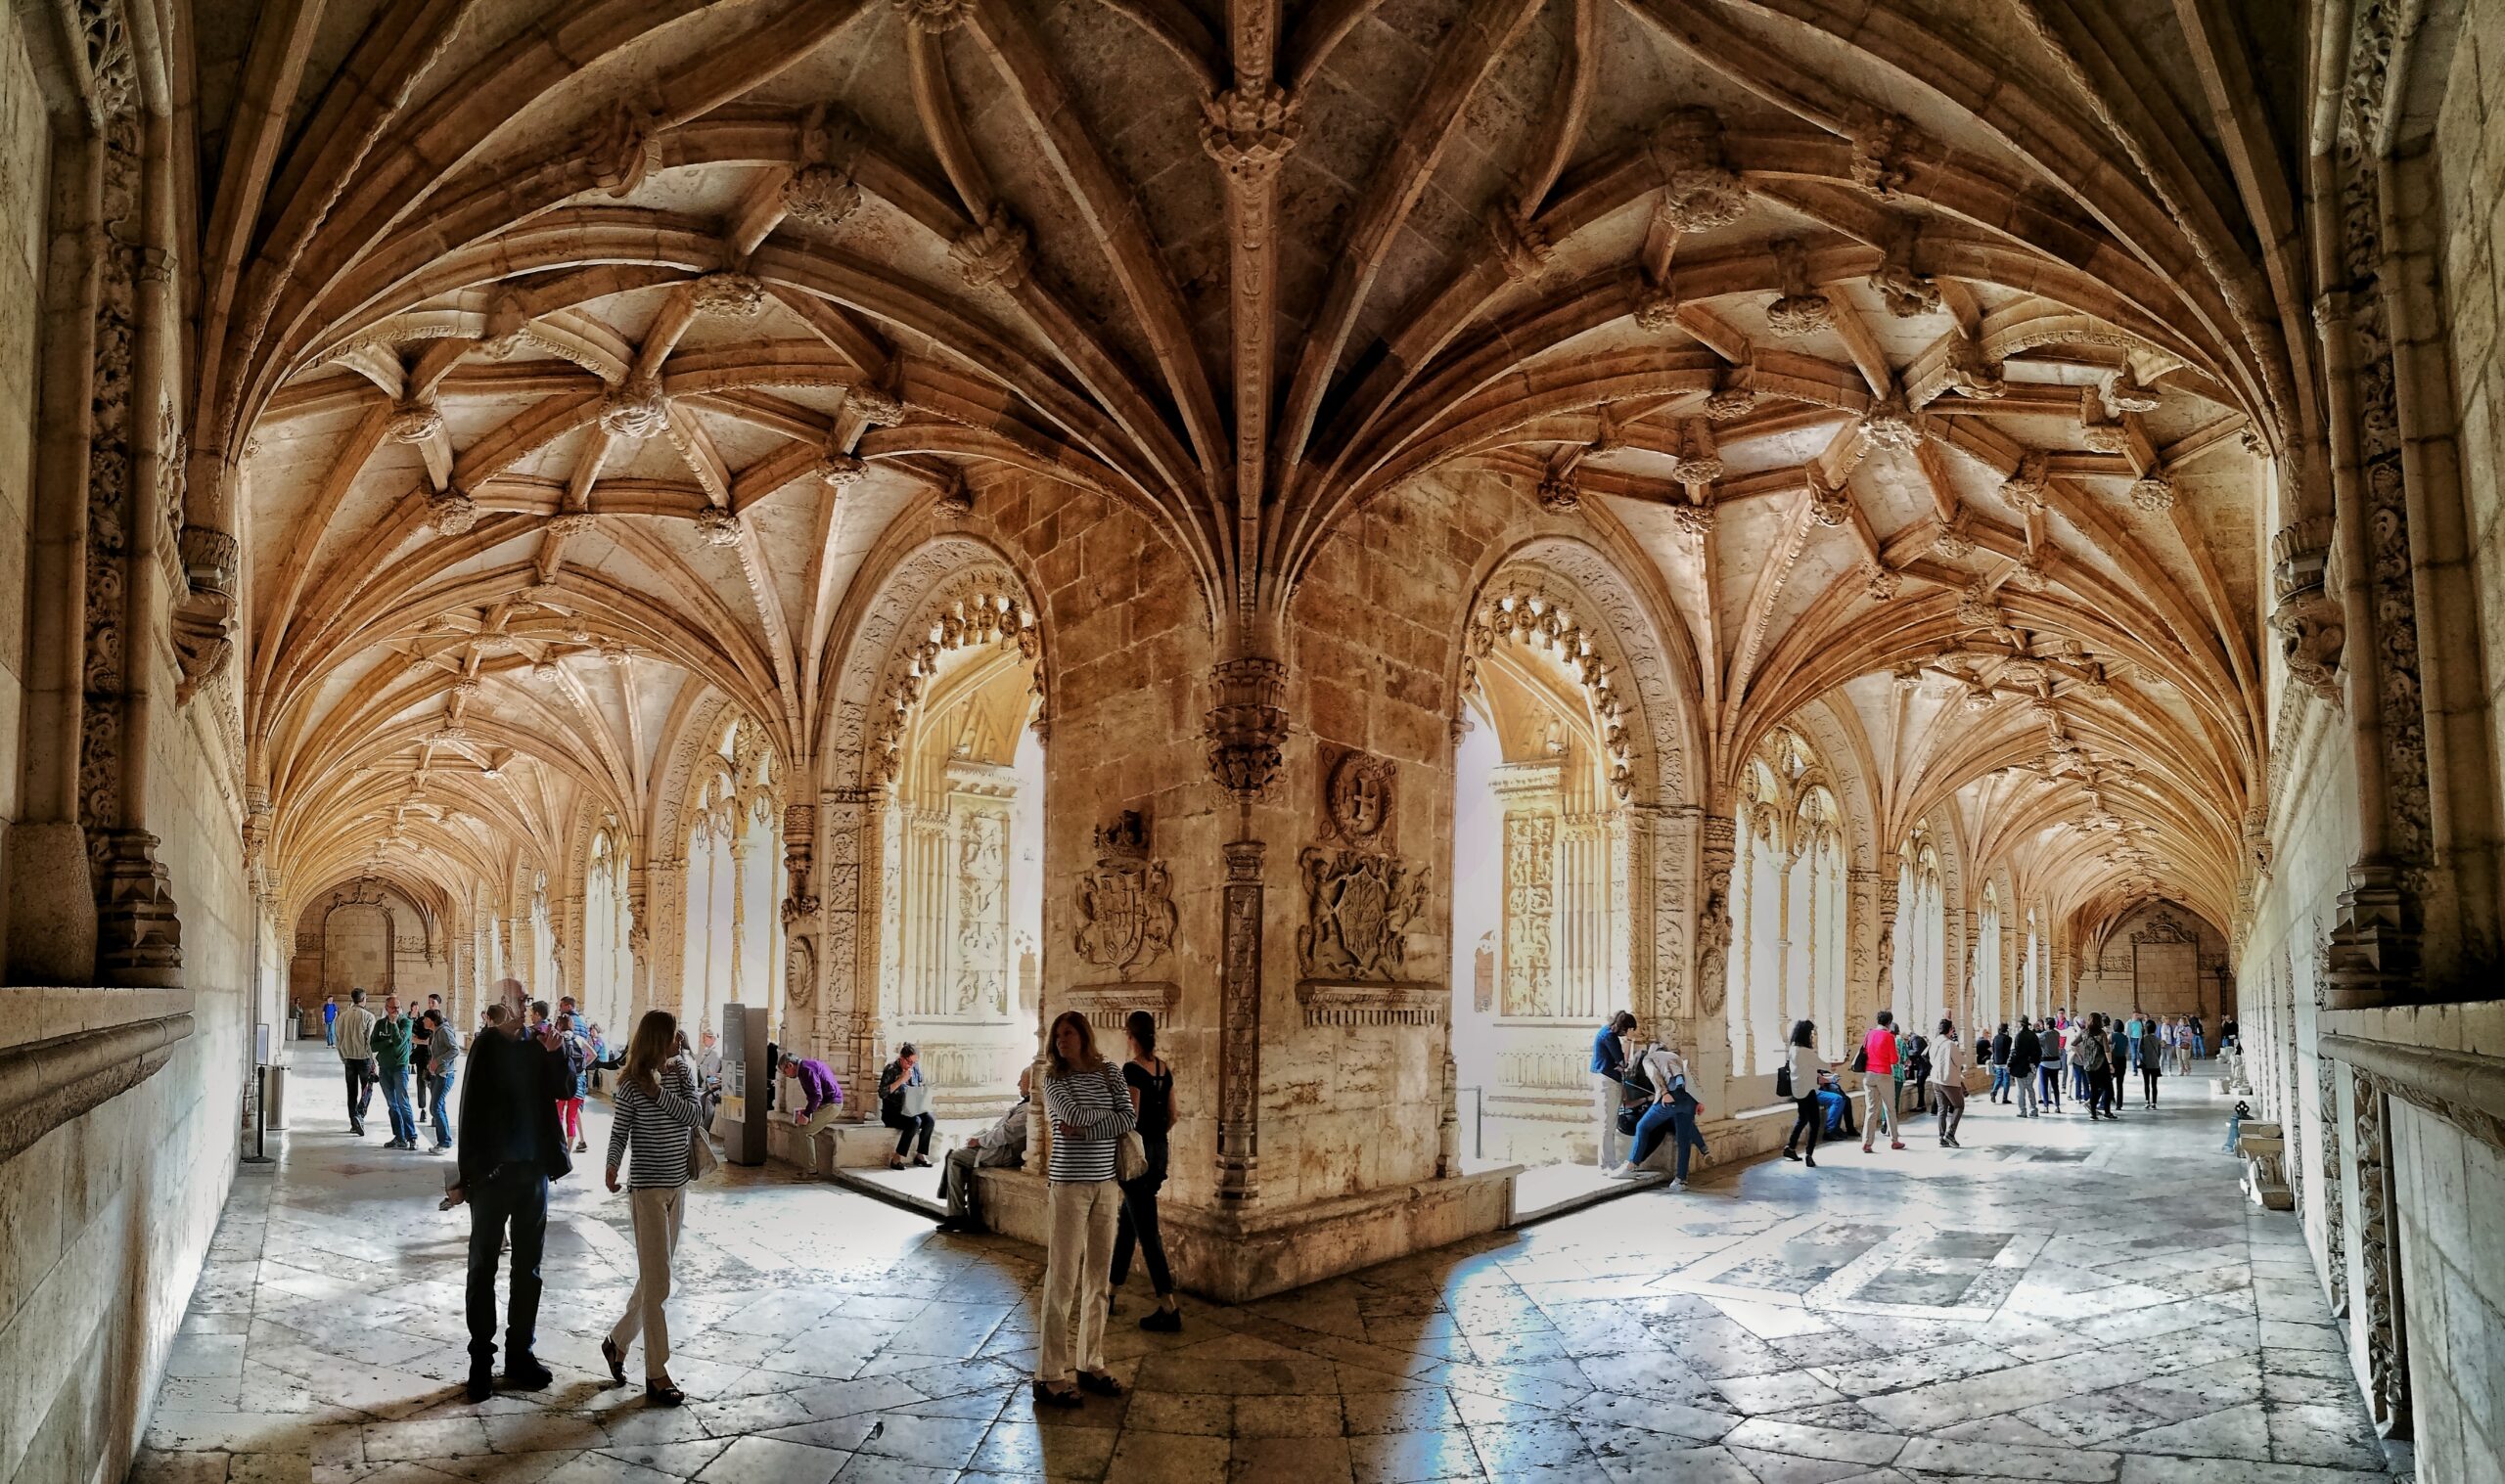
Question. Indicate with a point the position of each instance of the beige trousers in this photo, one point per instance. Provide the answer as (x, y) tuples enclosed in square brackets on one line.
[(657, 1210), (1077, 1268), (820, 1130)]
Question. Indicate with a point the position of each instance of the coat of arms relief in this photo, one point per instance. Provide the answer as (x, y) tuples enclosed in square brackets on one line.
[(1127, 901)]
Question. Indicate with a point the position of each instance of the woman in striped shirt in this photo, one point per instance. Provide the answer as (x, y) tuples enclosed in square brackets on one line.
[(658, 1115), (1090, 1107)]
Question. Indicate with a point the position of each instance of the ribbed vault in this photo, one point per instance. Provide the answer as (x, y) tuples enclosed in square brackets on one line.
[(562, 362)]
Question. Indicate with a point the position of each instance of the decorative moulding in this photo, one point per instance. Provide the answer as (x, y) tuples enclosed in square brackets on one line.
[(1106, 1006), (1337, 1002)]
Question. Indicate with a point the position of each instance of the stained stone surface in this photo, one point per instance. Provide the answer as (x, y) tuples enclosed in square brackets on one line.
[(2054, 1302)]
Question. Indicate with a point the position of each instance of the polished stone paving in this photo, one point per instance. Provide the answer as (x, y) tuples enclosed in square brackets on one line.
[(2055, 1301)]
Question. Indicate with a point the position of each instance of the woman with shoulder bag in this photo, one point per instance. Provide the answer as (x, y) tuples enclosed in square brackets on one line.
[(1090, 1107), (1806, 1065), (658, 1117), (1152, 1085)]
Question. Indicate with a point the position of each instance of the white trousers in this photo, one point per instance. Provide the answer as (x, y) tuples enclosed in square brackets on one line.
[(1078, 1268), (1605, 1101), (657, 1210)]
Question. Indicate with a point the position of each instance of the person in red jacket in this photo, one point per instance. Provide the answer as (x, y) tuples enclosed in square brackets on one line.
[(1878, 1081)]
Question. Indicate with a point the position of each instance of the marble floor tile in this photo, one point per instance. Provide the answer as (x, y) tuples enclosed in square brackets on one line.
[(2027, 1308)]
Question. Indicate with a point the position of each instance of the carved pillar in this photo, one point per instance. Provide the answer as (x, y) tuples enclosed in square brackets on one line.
[(1718, 850), (1526, 797), (2335, 1241), (741, 865), (1246, 726), (848, 1031), (800, 925), (2386, 1322)]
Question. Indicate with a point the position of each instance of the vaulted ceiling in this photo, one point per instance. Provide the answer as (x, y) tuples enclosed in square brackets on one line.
[(571, 359)]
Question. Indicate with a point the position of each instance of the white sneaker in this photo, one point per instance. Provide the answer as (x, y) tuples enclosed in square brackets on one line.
[(1676, 1185), (1622, 1172)]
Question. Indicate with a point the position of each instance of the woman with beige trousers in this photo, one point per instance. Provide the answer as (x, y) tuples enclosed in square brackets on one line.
[(658, 1117)]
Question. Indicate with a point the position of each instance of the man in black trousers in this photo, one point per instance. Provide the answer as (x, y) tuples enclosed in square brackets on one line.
[(510, 1148)]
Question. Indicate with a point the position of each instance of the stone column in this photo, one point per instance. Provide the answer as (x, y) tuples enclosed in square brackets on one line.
[(741, 865), (1718, 849), (1247, 725), (803, 920), (854, 824), (1526, 796)]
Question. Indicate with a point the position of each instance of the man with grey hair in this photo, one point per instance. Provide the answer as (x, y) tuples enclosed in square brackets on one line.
[(355, 1033)]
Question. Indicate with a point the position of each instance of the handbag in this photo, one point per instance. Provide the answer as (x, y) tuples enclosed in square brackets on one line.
[(1783, 1082), (1130, 1157), (701, 1158), (1630, 1115), (1861, 1060), (916, 1098)]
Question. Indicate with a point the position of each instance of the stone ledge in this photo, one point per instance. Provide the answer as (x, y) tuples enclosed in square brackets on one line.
[(1334, 1002), (64, 1051), (2464, 1091), (1238, 1257), (1107, 1005)]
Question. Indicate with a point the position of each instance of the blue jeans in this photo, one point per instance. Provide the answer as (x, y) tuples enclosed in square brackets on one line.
[(1675, 1118), (2000, 1078), (396, 1097), (2200, 1049), (442, 1102)]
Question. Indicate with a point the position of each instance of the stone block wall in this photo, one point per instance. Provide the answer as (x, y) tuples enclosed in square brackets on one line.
[(2470, 161), (24, 159)]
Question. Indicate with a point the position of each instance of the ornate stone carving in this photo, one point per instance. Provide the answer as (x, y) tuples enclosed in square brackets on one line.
[(1527, 616), (954, 503), (820, 196), (636, 410), (1732, 398), (1249, 130), (1329, 1003), (416, 421), (1239, 1049), (1829, 504), (800, 970), (2312, 625), (2154, 493), (1973, 374), (1698, 460), (841, 471), (1521, 246), (2335, 1237), (2124, 393), (1699, 192), (1713, 951), (933, 16), (1801, 310), (1880, 144), (203, 617), (1905, 293), (2100, 434), (1951, 542), (2379, 1258), (732, 296), (1559, 494), (572, 524), (1889, 423), (717, 527), (1127, 902), (1531, 909), (1358, 797), (877, 407), (1359, 910), (626, 151), (992, 254), (1882, 581), (1247, 725), (2024, 487), (1656, 311)]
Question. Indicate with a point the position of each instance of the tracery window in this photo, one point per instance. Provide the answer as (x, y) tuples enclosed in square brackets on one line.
[(608, 990), (1922, 935), (1788, 905), (1985, 1012)]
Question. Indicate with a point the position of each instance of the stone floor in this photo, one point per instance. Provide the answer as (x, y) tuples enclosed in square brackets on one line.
[(2055, 1301)]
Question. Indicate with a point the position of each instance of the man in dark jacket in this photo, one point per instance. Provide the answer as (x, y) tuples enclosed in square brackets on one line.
[(510, 1148), (2001, 1063), (2026, 1054)]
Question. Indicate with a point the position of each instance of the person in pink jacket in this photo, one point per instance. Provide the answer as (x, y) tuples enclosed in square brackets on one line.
[(1878, 1080)]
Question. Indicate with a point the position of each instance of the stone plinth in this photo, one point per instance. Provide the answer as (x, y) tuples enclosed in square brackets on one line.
[(2264, 1147), (1237, 1258)]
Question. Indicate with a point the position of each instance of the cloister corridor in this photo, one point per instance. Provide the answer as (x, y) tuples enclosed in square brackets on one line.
[(2055, 1301)]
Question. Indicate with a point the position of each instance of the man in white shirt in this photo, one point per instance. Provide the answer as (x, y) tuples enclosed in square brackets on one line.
[(1948, 1082)]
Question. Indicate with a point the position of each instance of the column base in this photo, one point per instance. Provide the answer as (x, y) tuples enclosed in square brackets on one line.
[(139, 937), (2373, 954)]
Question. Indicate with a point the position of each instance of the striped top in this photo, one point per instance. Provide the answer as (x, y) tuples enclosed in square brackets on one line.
[(1099, 1104), (658, 1128)]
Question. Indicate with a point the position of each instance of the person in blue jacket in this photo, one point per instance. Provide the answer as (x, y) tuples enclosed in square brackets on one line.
[(1609, 1065)]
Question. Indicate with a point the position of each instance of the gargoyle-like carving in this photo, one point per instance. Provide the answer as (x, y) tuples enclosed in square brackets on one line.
[(718, 526), (1559, 494), (841, 471), (732, 296), (451, 513), (1802, 309), (2023, 486), (820, 196), (993, 254), (1828, 504), (1880, 143), (2154, 493), (1699, 192), (636, 410)]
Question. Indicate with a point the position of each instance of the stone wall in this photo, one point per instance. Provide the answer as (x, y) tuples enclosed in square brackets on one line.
[(23, 169), (2174, 971)]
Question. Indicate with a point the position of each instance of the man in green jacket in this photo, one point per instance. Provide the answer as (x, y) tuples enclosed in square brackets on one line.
[(390, 1043)]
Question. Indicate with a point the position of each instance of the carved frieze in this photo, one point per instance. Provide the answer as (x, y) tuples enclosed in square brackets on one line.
[(1247, 725), (2379, 1260), (1127, 902)]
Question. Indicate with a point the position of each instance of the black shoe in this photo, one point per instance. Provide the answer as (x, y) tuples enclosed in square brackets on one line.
[(356, 1129), (1791, 1155), (1102, 1382), (921, 1162), (949, 1224), (1164, 1320), (1056, 1396), (525, 1373), (1811, 1161), (660, 1393), (482, 1385), (617, 1359)]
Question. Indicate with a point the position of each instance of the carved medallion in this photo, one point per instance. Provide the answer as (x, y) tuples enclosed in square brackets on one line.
[(1359, 796), (1127, 901)]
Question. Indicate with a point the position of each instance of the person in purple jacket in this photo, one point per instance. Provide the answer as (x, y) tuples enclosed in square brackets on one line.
[(821, 1097)]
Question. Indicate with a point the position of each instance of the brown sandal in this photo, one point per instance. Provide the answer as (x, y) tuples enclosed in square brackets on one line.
[(617, 1359)]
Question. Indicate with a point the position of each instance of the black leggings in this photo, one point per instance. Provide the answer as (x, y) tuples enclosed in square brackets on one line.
[(2148, 1084), (1810, 1118), (907, 1125), (1137, 1223), (2100, 1089)]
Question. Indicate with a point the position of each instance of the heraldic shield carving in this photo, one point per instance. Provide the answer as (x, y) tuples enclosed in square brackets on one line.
[(1127, 901), (1359, 908)]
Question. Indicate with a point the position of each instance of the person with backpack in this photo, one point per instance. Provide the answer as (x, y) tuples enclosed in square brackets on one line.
[(1608, 1072), (1876, 1061), (2094, 1054), (2026, 1054), (1152, 1085), (578, 1054)]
